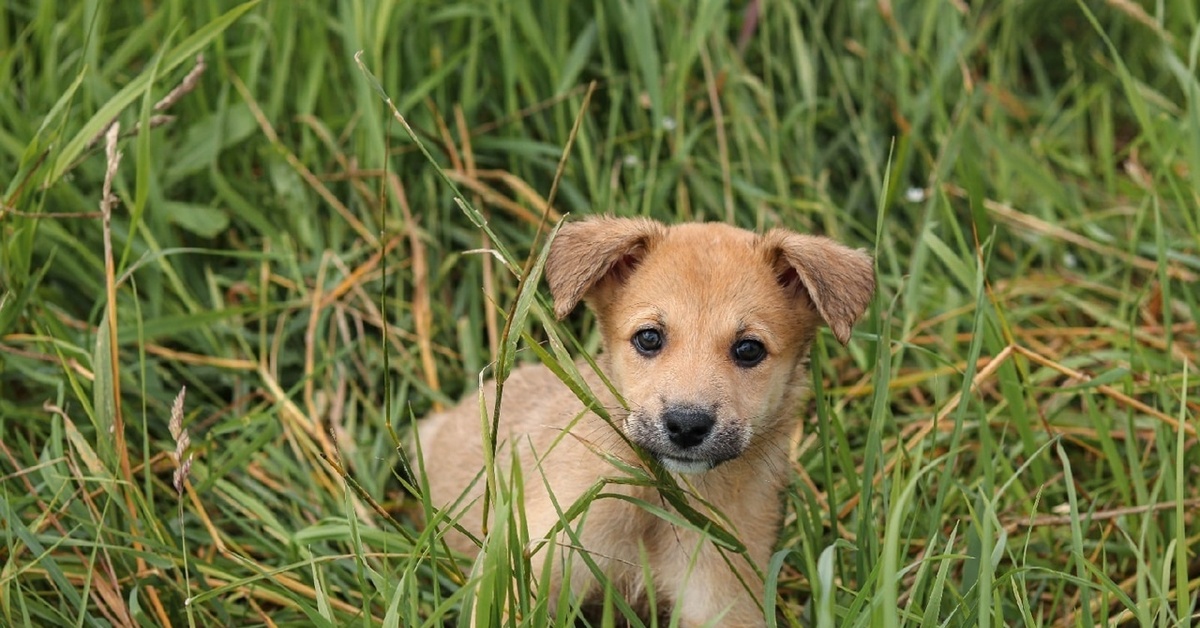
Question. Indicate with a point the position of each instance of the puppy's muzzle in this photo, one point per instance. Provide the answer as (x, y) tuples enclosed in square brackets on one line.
[(687, 427), (687, 438)]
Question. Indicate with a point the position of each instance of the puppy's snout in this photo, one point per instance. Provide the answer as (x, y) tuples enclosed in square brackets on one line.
[(688, 427)]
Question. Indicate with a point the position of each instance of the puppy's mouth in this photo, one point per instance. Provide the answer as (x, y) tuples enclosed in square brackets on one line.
[(691, 465), (676, 464)]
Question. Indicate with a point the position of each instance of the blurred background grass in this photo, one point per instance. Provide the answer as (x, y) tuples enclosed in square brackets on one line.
[(1010, 439)]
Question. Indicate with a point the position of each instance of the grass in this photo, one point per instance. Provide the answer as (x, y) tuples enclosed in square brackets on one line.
[(1009, 439)]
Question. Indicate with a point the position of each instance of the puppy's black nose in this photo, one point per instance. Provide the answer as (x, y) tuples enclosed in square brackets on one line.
[(687, 427)]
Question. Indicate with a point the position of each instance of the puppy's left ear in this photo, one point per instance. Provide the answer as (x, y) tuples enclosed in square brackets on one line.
[(837, 280)]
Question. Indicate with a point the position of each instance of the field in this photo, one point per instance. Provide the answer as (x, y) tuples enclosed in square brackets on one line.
[(238, 258)]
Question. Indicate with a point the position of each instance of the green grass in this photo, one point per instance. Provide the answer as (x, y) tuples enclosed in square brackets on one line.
[(1009, 439)]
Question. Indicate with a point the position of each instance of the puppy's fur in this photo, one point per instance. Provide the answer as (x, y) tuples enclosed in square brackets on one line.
[(706, 331)]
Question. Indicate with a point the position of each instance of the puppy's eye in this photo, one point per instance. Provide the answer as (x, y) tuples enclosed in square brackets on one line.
[(648, 341), (748, 353)]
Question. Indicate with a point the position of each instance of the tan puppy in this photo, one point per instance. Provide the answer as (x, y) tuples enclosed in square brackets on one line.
[(706, 331)]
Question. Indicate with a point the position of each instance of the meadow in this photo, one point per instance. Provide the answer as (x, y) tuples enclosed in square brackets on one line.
[(244, 246)]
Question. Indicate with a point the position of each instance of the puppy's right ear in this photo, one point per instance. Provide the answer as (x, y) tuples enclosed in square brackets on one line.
[(597, 250)]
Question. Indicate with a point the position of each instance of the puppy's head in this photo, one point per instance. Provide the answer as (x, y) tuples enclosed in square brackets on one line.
[(707, 327)]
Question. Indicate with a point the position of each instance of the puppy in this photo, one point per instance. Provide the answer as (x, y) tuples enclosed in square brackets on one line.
[(706, 331)]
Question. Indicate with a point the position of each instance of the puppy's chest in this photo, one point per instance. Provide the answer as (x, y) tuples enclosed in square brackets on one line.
[(626, 535)]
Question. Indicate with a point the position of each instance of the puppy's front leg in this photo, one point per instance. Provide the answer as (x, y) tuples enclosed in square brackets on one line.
[(709, 593)]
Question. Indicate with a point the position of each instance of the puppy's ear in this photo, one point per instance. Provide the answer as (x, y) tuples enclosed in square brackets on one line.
[(838, 281), (588, 252)]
